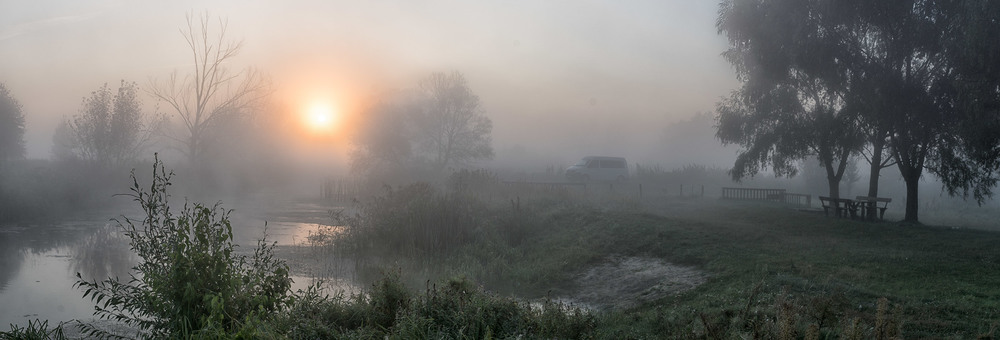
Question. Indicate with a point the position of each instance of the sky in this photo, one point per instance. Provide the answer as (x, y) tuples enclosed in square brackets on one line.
[(559, 79)]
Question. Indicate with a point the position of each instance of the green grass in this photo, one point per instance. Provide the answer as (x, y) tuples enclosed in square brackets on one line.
[(772, 269)]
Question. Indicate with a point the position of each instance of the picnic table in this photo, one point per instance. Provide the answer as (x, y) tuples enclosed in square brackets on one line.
[(862, 207), (870, 208), (842, 207)]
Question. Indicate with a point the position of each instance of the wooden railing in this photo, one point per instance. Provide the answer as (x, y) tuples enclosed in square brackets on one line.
[(777, 195), (773, 195), (801, 199)]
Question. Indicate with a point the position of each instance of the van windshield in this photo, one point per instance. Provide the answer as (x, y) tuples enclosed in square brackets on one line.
[(582, 162)]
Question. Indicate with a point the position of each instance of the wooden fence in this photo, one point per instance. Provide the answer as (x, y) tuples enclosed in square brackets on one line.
[(773, 195), (777, 195), (800, 199)]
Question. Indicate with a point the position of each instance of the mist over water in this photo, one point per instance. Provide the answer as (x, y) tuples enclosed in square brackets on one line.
[(357, 136)]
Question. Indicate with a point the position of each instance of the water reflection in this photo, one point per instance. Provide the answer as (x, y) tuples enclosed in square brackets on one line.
[(102, 254), (10, 259), (38, 264)]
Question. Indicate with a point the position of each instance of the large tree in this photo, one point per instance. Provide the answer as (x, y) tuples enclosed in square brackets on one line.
[(792, 103), (969, 165), (423, 132), (382, 147), (110, 130), (918, 74), (933, 90), (450, 126), (11, 126), (210, 94)]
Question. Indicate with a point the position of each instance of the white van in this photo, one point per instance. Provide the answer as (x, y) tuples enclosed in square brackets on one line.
[(597, 168)]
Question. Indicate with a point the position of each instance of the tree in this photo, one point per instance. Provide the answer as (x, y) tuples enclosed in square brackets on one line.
[(422, 132), (450, 127), (111, 130), (934, 90), (383, 145), (11, 126), (918, 75), (795, 85), (969, 165), (210, 94)]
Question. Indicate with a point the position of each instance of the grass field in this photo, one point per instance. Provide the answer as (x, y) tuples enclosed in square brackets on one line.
[(945, 280), (773, 270)]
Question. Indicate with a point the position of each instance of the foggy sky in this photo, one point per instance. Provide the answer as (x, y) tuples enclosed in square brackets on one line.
[(567, 77)]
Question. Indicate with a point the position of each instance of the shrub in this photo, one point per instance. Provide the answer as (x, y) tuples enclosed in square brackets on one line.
[(188, 280), (412, 221)]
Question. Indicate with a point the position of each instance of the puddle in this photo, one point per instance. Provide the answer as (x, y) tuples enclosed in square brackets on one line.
[(623, 282)]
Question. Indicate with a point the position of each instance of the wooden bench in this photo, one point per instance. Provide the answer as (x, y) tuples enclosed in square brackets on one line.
[(871, 204), (842, 207)]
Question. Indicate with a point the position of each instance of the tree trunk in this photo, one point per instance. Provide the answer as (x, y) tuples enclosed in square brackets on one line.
[(876, 167), (911, 175), (834, 183), (912, 197)]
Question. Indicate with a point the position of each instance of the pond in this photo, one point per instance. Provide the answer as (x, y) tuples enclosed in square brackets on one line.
[(39, 262)]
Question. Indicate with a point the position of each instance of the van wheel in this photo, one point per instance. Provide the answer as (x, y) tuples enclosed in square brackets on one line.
[(585, 178)]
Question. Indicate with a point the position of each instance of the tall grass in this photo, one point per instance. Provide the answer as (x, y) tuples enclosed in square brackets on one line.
[(457, 309)]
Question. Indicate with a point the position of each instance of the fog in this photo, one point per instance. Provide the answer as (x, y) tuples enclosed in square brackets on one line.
[(560, 79)]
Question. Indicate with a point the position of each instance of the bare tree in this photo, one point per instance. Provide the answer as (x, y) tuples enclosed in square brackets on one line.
[(451, 128), (210, 94)]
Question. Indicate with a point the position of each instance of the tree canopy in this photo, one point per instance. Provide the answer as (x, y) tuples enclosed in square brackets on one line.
[(793, 101), (111, 128), (423, 132), (451, 127), (11, 126), (919, 76)]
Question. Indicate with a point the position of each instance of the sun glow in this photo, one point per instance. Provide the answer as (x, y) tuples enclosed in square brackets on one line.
[(321, 117)]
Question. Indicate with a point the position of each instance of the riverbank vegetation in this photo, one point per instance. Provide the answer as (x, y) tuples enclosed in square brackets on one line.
[(478, 258)]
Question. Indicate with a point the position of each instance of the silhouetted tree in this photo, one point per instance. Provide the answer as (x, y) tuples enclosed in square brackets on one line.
[(382, 147), (418, 134), (917, 75), (11, 126), (969, 160), (795, 83), (111, 129), (210, 94), (450, 127)]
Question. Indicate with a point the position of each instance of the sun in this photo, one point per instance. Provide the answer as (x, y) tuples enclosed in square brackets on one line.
[(320, 117)]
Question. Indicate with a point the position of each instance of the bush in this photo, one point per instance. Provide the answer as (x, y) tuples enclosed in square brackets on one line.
[(413, 221), (188, 281)]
